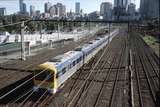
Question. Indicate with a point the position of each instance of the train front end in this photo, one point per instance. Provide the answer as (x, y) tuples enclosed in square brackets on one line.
[(45, 78)]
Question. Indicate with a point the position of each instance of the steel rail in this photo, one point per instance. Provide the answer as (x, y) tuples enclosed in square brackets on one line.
[(35, 90), (116, 79), (146, 74), (137, 76), (21, 84), (84, 83), (90, 84)]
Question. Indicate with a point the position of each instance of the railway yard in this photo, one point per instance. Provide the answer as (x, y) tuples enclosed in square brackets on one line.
[(125, 73)]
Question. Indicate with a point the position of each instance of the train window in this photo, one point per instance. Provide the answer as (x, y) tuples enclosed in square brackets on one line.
[(45, 75), (70, 66), (77, 60), (80, 58), (74, 63), (63, 70)]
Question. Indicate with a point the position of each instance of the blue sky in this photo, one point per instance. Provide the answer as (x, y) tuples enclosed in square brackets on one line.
[(12, 6)]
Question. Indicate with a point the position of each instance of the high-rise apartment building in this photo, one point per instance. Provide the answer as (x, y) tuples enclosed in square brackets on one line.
[(149, 8), (3, 11), (106, 10), (77, 8), (47, 6), (22, 7), (32, 10)]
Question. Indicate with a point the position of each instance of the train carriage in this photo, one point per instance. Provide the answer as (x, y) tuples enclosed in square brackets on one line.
[(62, 67)]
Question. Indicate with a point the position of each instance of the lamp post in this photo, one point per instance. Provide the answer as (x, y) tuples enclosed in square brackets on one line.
[(22, 42)]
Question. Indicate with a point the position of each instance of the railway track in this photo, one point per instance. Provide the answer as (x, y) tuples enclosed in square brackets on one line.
[(24, 67), (145, 74), (107, 61), (118, 80), (123, 74)]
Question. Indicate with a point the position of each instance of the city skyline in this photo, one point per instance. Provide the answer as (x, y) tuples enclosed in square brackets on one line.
[(12, 6)]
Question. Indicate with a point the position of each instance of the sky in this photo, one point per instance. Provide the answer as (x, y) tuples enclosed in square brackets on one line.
[(12, 6)]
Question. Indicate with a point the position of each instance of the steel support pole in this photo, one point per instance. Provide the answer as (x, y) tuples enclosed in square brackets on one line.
[(58, 30), (22, 42), (40, 31), (109, 32)]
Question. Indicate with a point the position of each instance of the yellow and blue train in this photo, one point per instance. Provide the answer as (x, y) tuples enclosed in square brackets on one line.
[(62, 67)]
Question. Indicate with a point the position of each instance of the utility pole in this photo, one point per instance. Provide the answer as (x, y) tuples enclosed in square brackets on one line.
[(109, 32), (40, 31), (22, 42), (58, 30)]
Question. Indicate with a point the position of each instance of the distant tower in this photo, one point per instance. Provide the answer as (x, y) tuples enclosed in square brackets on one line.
[(20, 5), (32, 10), (121, 3), (3, 11), (24, 9), (53, 10), (106, 10), (77, 8), (47, 6), (131, 9), (61, 9), (149, 8)]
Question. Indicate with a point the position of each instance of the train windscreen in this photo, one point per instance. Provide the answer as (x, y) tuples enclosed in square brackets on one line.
[(44, 75)]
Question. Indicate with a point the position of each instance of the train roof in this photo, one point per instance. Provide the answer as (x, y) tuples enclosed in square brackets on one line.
[(83, 47), (89, 45), (65, 57)]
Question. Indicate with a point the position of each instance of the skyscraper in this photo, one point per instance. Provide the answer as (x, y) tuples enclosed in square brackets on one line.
[(53, 10), (106, 10), (149, 8), (131, 9), (3, 11), (121, 3), (47, 6), (61, 9), (77, 8), (22, 7), (32, 10)]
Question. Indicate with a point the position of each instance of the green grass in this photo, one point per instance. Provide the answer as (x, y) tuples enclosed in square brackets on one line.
[(152, 42)]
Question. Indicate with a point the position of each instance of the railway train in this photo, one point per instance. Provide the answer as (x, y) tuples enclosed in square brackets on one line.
[(58, 69)]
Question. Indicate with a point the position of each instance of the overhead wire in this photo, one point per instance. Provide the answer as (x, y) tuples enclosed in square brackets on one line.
[(22, 84), (75, 96), (12, 102), (47, 77)]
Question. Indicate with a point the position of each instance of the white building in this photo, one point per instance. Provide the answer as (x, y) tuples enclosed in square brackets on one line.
[(106, 10), (61, 9), (53, 11)]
